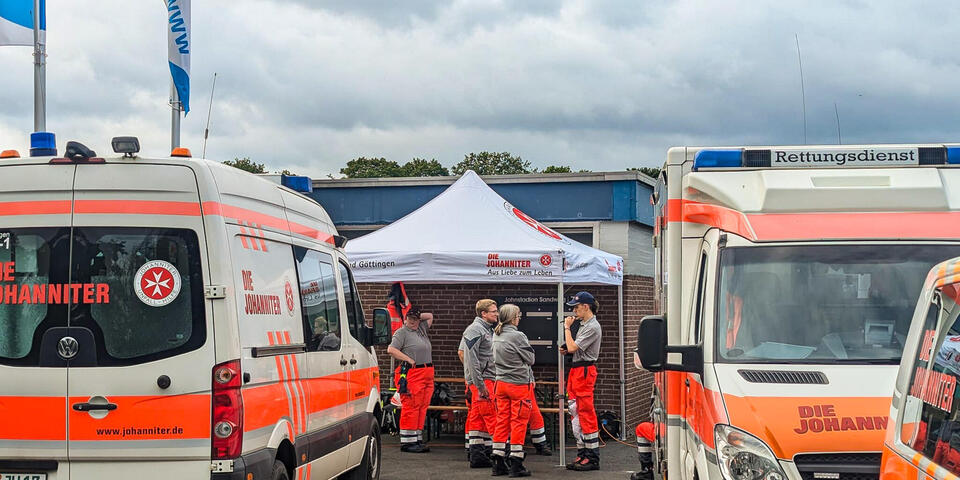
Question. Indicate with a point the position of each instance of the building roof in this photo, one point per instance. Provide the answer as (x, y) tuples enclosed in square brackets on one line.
[(554, 197)]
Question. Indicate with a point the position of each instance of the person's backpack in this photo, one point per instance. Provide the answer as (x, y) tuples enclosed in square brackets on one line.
[(441, 395)]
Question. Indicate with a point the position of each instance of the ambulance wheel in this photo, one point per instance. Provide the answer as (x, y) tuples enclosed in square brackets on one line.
[(279, 471), (369, 468)]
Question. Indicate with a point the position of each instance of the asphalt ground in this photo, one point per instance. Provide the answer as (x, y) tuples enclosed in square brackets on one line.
[(447, 459)]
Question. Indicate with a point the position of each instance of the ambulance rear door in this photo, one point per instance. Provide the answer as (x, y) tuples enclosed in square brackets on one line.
[(141, 368), (34, 253)]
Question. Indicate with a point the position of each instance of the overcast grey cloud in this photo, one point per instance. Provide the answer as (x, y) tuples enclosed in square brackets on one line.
[(602, 85)]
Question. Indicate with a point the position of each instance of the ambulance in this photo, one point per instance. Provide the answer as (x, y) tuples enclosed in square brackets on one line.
[(923, 439), (177, 318), (786, 277)]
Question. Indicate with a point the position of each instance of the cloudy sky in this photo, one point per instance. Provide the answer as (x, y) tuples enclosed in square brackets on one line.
[(603, 85)]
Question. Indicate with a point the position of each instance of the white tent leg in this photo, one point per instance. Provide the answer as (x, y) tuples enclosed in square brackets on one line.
[(623, 378), (561, 388)]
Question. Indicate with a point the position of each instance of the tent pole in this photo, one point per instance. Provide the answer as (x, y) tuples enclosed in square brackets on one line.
[(561, 388), (623, 378)]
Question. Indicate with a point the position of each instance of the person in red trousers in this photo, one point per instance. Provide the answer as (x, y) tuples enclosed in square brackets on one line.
[(413, 377), (513, 357), (479, 375), (582, 378), (538, 432)]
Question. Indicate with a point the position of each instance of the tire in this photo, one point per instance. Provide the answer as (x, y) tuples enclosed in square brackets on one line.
[(279, 471), (369, 468)]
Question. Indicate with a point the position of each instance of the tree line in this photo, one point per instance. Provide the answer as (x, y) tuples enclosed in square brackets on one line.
[(484, 163)]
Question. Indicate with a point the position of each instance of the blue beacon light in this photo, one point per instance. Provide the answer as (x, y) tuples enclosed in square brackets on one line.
[(718, 159), (43, 144)]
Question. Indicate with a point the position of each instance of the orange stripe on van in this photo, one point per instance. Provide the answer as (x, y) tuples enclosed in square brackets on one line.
[(45, 421), (43, 207), (170, 417), (136, 207), (281, 224), (305, 404)]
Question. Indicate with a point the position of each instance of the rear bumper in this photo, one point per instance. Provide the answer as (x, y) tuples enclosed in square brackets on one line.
[(259, 463)]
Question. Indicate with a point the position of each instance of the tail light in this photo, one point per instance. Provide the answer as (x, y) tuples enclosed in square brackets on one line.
[(226, 431)]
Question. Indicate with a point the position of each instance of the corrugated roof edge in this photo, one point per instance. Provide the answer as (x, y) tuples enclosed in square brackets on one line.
[(490, 179)]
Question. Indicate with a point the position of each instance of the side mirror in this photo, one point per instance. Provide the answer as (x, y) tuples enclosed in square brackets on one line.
[(652, 342), (381, 334)]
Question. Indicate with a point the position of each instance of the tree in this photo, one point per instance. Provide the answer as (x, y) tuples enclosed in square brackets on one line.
[(556, 169), (287, 173), (363, 167), (651, 172), (246, 164), (492, 163), (419, 167)]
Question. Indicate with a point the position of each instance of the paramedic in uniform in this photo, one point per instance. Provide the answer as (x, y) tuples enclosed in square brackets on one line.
[(513, 357), (411, 347), (582, 379), (479, 373)]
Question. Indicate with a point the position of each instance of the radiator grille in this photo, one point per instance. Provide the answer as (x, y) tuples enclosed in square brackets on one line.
[(784, 376), (839, 466)]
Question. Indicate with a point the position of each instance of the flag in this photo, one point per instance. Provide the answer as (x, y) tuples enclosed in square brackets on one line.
[(16, 22), (178, 48)]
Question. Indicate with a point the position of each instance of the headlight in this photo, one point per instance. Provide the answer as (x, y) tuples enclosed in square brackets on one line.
[(744, 457)]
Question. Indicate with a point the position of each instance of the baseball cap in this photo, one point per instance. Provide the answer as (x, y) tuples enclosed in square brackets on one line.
[(581, 297)]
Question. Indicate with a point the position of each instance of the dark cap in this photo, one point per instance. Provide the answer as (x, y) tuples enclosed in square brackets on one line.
[(582, 297), (414, 312)]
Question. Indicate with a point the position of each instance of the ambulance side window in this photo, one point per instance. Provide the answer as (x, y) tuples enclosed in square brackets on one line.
[(701, 286), (933, 386), (352, 298), (319, 301)]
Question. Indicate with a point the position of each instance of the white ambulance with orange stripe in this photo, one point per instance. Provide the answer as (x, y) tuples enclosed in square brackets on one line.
[(177, 318), (923, 440), (787, 278)]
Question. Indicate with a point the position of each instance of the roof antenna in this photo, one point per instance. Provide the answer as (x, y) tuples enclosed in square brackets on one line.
[(206, 131), (803, 97)]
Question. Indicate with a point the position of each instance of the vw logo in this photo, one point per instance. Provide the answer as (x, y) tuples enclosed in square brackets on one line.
[(67, 347)]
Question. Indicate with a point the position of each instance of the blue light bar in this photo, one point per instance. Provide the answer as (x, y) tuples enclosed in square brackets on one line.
[(718, 159), (43, 144), (297, 183), (953, 155)]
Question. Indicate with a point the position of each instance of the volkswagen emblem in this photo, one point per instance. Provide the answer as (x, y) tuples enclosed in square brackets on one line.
[(67, 347)]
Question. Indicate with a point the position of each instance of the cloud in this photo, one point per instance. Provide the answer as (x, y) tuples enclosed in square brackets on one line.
[(602, 84)]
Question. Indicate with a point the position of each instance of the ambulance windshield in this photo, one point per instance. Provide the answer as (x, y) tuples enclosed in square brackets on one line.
[(820, 303)]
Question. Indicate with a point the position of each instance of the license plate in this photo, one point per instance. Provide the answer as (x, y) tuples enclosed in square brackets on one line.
[(23, 476)]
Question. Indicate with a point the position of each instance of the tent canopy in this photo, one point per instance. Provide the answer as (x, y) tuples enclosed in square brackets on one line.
[(470, 234)]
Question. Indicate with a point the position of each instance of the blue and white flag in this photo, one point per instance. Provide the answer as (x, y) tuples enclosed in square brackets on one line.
[(178, 47), (16, 22)]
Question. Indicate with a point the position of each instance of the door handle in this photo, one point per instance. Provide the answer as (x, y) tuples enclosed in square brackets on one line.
[(343, 361), (353, 360), (89, 407)]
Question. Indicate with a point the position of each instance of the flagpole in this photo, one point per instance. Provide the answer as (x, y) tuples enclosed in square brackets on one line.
[(175, 117), (39, 74)]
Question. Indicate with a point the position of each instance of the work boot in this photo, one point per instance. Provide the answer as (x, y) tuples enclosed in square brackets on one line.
[(576, 460), (423, 446), (499, 466), (414, 448), (479, 458), (586, 464), (516, 467), (543, 449)]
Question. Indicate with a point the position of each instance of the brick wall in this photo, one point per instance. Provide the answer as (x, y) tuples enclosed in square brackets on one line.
[(453, 308)]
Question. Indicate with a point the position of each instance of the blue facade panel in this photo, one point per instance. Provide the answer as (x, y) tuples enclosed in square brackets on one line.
[(549, 202)]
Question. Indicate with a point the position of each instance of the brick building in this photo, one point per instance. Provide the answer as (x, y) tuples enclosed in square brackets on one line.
[(609, 211)]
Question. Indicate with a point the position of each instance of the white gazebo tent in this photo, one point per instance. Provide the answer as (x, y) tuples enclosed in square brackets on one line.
[(470, 234)]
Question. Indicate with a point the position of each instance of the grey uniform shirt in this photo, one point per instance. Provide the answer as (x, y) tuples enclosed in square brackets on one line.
[(477, 344), (588, 339), (414, 343), (513, 356)]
